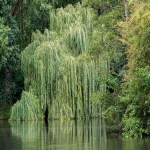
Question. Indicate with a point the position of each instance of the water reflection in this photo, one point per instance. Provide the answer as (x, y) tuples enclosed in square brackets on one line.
[(65, 135), (7, 141), (61, 135)]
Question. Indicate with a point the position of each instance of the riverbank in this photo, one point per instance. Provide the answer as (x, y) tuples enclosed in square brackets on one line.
[(4, 112), (111, 126)]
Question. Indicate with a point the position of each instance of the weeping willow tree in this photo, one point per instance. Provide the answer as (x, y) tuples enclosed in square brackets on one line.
[(60, 76)]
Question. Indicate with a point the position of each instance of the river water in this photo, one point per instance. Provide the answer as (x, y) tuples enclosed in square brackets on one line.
[(65, 135)]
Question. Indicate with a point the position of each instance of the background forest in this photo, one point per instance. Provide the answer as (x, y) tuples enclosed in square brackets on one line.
[(93, 52)]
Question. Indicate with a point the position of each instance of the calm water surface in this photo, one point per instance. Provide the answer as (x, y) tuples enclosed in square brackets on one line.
[(64, 135)]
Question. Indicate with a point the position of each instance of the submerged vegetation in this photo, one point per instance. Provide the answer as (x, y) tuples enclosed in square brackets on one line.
[(82, 60)]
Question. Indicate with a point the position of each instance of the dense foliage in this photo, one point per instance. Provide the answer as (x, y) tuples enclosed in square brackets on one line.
[(11, 80), (136, 89), (18, 19), (62, 57)]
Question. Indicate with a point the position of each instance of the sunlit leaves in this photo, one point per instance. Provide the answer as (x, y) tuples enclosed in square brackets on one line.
[(135, 34)]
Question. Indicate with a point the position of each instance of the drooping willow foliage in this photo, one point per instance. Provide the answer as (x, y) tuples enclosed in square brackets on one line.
[(59, 74)]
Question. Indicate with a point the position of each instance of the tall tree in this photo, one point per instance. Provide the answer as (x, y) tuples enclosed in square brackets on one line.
[(60, 76), (135, 34)]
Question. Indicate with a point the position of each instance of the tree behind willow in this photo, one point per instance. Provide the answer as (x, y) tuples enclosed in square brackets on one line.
[(135, 34), (59, 74)]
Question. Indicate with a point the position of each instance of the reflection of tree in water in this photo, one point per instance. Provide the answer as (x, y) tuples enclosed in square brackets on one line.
[(32, 134), (7, 141), (64, 135), (61, 134)]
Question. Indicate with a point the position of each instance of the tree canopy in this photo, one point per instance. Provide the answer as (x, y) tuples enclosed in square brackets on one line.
[(58, 71)]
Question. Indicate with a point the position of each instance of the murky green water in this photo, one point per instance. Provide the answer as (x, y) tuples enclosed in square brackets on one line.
[(64, 135)]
